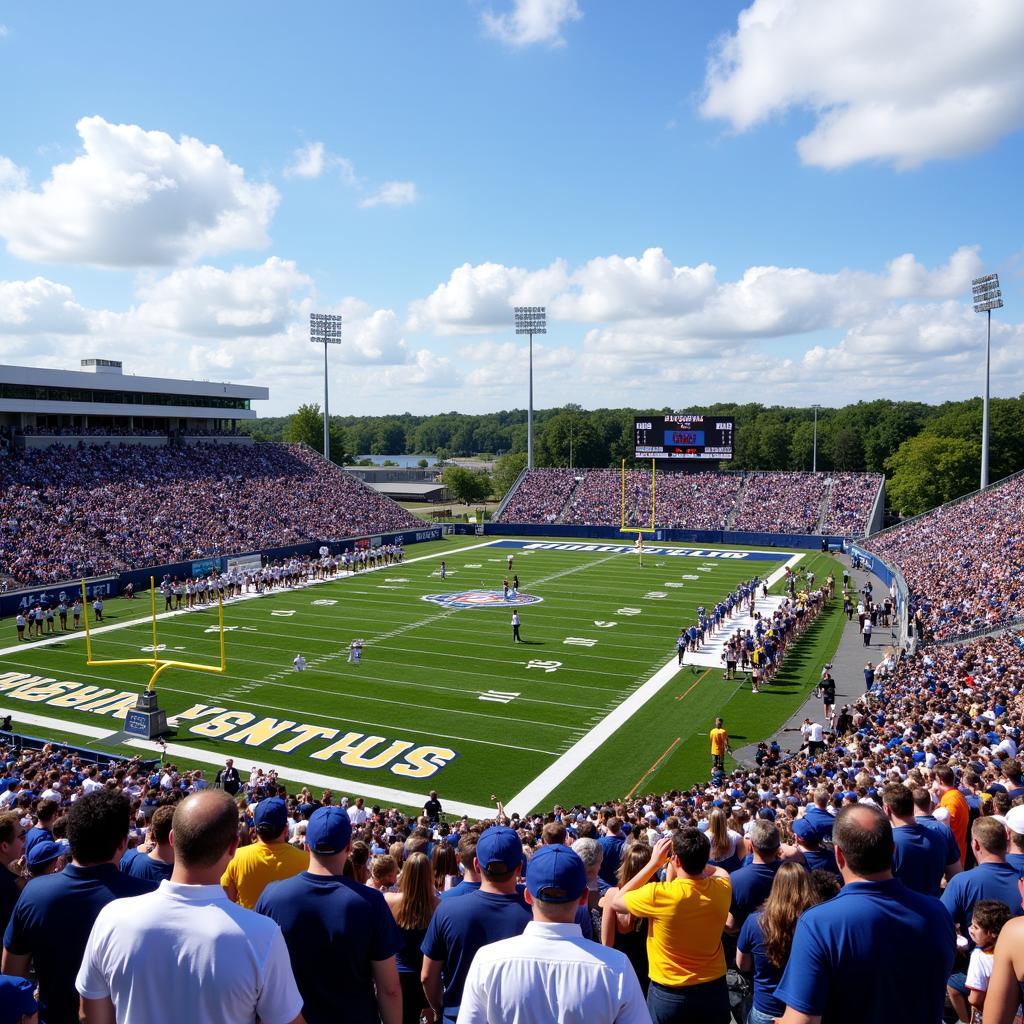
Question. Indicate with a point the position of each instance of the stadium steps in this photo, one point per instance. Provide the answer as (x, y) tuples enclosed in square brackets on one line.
[(737, 504)]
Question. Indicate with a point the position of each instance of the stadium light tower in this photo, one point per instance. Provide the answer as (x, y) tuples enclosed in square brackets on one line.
[(530, 320), (987, 297), (814, 457), (325, 329)]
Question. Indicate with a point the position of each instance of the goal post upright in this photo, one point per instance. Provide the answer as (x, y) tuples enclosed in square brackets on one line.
[(638, 530)]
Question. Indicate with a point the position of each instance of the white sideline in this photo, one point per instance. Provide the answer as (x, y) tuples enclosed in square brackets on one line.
[(526, 799)]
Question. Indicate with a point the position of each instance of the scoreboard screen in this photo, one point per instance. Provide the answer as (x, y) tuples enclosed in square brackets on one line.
[(684, 436)]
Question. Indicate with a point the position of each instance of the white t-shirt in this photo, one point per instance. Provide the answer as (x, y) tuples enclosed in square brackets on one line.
[(188, 947), (816, 732)]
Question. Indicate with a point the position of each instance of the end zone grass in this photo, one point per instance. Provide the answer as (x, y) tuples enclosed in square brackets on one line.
[(443, 699)]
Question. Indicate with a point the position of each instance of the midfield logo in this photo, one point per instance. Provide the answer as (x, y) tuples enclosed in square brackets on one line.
[(482, 599)]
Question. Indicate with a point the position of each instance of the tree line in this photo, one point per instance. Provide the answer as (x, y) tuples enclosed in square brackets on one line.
[(929, 453)]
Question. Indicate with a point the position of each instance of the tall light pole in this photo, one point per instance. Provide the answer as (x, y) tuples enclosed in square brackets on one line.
[(325, 329), (987, 297), (530, 320), (814, 457)]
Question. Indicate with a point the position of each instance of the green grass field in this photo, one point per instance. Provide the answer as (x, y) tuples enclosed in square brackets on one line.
[(443, 698)]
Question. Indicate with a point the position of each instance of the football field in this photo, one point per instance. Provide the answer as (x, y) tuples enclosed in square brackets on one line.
[(590, 705)]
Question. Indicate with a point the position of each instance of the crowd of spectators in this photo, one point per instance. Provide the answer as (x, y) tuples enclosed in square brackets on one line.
[(86, 432), (111, 508), (839, 503), (541, 496), (963, 562)]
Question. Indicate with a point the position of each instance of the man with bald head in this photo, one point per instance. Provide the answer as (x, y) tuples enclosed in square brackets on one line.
[(186, 949), (876, 952)]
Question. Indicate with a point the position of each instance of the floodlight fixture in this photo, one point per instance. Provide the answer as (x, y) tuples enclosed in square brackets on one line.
[(530, 320), (986, 296), (325, 329)]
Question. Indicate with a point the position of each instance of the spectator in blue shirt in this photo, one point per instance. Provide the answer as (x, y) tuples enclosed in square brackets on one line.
[(467, 858), (877, 951), (922, 856), (157, 863), (54, 915), (752, 883), (992, 879), (767, 935), (461, 926), (46, 814), (12, 848), (818, 814), (1015, 828), (341, 936), (611, 846), (816, 858)]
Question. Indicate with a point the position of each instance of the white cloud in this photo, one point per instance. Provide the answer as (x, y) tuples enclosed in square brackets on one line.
[(137, 198), (39, 306), (209, 302), (533, 21), (12, 177), (313, 160), (392, 193), (903, 82), (4, 31)]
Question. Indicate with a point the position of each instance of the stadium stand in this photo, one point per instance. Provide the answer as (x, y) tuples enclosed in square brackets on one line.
[(111, 508), (838, 503), (964, 561)]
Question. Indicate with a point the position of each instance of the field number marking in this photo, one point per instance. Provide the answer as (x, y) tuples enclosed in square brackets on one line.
[(628, 611), (324, 600), (690, 576), (655, 595), (673, 585), (579, 641), (602, 624), (283, 613), (545, 666)]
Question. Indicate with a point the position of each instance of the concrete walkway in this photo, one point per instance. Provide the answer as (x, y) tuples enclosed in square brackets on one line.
[(847, 668)]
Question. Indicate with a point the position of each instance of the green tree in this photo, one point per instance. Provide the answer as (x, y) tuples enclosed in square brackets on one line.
[(306, 426), (928, 470), (465, 485), (506, 472)]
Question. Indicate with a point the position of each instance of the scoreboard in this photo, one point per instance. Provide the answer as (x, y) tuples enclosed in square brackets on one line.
[(683, 436)]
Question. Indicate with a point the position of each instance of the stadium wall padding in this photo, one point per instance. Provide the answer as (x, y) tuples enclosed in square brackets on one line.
[(114, 584)]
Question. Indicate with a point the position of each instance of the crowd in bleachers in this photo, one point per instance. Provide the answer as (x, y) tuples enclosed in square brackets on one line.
[(86, 432), (110, 508), (541, 496), (964, 562), (802, 503)]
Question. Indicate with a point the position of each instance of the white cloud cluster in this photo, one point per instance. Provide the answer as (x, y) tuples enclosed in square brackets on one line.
[(39, 307), (903, 82), (533, 21), (391, 193), (313, 161), (135, 198)]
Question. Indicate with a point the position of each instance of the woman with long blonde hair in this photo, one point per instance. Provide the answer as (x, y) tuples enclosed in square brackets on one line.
[(766, 938), (725, 843), (445, 865), (412, 908), (624, 932)]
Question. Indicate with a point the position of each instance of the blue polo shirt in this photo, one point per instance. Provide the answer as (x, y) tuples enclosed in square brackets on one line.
[(821, 820), (36, 834), (750, 888), (920, 857), (993, 881), (463, 888), (460, 927), (821, 860), (842, 965), (335, 928), (144, 866), (612, 849), (766, 975), (52, 920)]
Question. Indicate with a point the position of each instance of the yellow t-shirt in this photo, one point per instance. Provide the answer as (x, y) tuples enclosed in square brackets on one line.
[(684, 937), (719, 741), (254, 867)]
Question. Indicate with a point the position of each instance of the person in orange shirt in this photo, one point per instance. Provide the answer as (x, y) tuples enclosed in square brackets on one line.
[(719, 745), (955, 803)]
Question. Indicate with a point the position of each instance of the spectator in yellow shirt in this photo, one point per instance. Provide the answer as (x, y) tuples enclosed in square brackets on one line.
[(684, 939), (270, 859), (719, 745)]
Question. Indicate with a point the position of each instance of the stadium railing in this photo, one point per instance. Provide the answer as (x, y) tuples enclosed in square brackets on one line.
[(22, 741), (508, 494)]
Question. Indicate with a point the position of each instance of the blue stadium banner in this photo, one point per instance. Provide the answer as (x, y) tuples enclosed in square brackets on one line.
[(201, 566)]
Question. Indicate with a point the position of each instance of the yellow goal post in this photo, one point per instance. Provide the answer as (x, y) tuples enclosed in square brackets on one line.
[(156, 663), (638, 530)]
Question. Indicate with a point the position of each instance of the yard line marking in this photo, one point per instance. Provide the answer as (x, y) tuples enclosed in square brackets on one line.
[(650, 771)]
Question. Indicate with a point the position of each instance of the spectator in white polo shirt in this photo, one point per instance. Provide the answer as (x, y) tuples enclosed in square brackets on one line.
[(550, 972), (186, 951)]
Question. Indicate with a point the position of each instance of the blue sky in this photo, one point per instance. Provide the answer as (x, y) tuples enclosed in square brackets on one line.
[(779, 200)]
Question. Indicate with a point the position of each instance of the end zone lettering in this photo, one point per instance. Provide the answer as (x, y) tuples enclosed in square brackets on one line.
[(650, 549)]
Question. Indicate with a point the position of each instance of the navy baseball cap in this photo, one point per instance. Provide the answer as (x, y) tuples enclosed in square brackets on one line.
[(329, 830), (499, 849), (804, 829), (271, 816), (16, 999), (43, 852), (556, 874)]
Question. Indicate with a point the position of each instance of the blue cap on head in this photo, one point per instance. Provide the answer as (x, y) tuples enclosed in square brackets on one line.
[(499, 849), (556, 874), (16, 999), (43, 852), (271, 816), (329, 830), (804, 829)]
